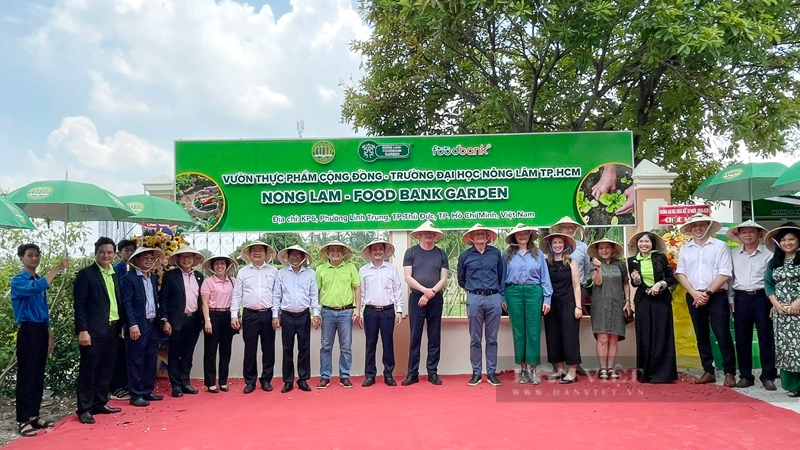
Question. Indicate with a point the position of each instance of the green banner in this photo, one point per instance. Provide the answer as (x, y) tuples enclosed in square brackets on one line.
[(397, 182)]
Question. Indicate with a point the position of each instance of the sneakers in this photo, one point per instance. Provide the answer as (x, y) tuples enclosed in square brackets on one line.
[(535, 378), (493, 380), (121, 394), (346, 382), (475, 380), (323, 383), (524, 377)]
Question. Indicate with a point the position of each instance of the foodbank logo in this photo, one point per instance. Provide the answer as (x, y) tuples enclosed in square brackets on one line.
[(136, 207), (370, 151), (323, 152), (39, 193), (731, 174)]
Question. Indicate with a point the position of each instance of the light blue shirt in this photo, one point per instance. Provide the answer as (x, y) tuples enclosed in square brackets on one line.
[(295, 291), (581, 257), (150, 308), (525, 269)]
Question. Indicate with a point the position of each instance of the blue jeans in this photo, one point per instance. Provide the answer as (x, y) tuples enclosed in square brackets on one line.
[(484, 318), (333, 323)]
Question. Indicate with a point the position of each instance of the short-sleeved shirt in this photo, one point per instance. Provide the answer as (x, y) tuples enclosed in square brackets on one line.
[(336, 284), (219, 292), (426, 265), (702, 264)]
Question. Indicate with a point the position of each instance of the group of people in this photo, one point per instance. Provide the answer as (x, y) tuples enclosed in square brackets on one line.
[(122, 313)]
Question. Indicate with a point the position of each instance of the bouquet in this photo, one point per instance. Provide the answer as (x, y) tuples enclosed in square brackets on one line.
[(160, 239), (675, 240)]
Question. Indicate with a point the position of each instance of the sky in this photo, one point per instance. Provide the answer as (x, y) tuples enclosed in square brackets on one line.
[(99, 90)]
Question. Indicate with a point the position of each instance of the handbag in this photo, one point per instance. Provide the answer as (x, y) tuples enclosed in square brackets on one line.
[(629, 316)]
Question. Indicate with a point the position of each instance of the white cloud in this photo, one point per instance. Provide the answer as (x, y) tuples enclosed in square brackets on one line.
[(113, 100)]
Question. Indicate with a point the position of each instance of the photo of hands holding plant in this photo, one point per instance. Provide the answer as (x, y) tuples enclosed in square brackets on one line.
[(605, 196)]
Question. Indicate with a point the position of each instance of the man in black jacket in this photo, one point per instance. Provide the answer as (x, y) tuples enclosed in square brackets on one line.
[(179, 301)]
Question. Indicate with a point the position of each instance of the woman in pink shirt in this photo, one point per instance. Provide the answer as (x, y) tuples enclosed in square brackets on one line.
[(216, 294)]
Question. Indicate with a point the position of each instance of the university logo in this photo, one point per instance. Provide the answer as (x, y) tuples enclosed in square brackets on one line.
[(323, 152), (39, 193)]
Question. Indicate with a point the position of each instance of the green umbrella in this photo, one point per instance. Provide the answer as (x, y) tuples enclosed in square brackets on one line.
[(68, 201), (789, 181), (13, 217), (155, 209), (745, 182)]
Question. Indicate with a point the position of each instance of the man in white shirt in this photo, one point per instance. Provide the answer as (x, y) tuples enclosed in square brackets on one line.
[(750, 305), (253, 293), (704, 269), (381, 296)]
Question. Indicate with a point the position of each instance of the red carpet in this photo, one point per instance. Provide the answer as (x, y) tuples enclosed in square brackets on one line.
[(589, 414)]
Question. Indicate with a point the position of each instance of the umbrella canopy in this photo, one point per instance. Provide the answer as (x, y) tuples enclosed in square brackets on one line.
[(745, 182), (147, 208), (789, 181), (13, 217), (68, 201)]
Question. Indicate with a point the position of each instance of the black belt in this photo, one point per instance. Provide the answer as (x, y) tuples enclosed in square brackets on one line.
[(296, 315), (111, 323), (338, 308), (258, 311), (220, 310), (151, 320), (191, 314), (379, 308), (484, 292), (751, 291)]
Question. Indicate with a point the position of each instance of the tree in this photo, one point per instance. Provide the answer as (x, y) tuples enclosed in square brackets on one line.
[(692, 80)]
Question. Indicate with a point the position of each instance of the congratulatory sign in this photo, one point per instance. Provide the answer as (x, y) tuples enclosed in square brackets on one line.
[(397, 182)]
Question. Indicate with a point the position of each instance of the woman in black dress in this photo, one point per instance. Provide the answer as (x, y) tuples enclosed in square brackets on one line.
[(562, 325), (655, 333)]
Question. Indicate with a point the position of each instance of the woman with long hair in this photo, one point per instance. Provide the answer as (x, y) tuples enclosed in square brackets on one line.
[(527, 297), (782, 285), (216, 294), (562, 324), (655, 333)]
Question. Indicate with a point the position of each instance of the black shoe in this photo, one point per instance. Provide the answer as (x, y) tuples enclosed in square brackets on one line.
[(248, 388), (434, 379), (188, 390), (475, 380), (580, 371), (389, 381), (266, 386), (105, 409), (566, 380), (287, 387), (139, 402), (153, 397), (555, 376), (410, 379), (345, 382), (493, 380), (176, 392), (86, 417), (368, 382), (323, 383), (303, 385)]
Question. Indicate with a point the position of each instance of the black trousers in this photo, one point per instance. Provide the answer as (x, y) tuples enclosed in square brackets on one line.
[(119, 379), (417, 316), (716, 313), (379, 322), (181, 352), (95, 369), (749, 310), (32, 339), (221, 338), (258, 326), (142, 359), (562, 332), (296, 325)]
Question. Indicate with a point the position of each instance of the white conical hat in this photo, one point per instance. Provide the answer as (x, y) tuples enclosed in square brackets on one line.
[(208, 264), (465, 239), (159, 257), (733, 233), (283, 255), (323, 252), (566, 220), (245, 255), (713, 225), (519, 228), (388, 253), (427, 226), (592, 250), (184, 249)]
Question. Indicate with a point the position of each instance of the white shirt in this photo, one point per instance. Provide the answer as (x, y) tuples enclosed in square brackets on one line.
[(702, 264), (748, 269), (295, 291), (380, 286), (253, 288)]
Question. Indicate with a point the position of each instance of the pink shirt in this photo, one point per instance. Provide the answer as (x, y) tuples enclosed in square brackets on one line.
[(192, 291), (219, 292)]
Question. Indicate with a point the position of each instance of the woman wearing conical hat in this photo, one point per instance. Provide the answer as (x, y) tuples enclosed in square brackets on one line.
[(216, 294)]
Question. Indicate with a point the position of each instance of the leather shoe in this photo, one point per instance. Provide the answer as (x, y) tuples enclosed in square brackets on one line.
[(139, 402), (566, 380), (369, 381), (86, 417), (744, 383), (730, 380), (249, 388), (303, 385), (188, 390), (769, 385), (410, 379), (153, 397), (434, 379), (389, 381), (475, 380), (105, 409), (323, 383), (493, 380), (707, 377), (287, 387), (266, 386), (176, 392)]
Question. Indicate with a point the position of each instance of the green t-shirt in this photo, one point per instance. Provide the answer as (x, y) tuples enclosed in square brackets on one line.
[(336, 284), (108, 278)]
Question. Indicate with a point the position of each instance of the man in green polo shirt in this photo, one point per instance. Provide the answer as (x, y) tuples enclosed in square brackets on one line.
[(340, 298)]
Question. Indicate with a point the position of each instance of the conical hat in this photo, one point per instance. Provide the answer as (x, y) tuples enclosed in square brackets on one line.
[(184, 249), (245, 255), (713, 225), (770, 241), (633, 243), (388, 253), (519, 228), (323, 252), (159, 257), (427, 226), (465, 239), (208, 264), (283, 255), (592, 250), (733, 233), (566, 220), (569, 242)]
